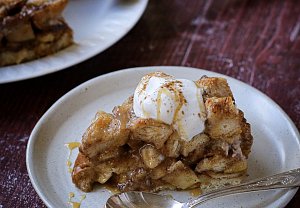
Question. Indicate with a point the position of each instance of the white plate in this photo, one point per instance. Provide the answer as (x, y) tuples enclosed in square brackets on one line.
[(97, 25), (276, 145)]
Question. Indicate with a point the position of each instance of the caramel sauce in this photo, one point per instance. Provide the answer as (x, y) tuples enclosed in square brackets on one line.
[(181, 100), (144, 111), (170, 89), (158, 109), (75, 204), (71, 146), (195, 192), (159, 99)]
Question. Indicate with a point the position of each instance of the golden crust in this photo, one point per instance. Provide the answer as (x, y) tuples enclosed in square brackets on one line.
[(150, 131), (223, 118), (83, 175), (105, 133), (199, 141), (180, 176), (214, 87), (219, 163), (246, 137), (47, 12)]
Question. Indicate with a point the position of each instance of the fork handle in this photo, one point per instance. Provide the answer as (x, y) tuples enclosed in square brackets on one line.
[(289, 179)]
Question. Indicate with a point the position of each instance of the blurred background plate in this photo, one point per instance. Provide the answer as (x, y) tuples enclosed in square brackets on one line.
[(96, 24)]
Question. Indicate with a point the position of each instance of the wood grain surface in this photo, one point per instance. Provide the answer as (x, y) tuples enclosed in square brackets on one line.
[(255, 41)]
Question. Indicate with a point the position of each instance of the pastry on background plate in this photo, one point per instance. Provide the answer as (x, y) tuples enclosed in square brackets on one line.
[(30, 29), (172, 134)]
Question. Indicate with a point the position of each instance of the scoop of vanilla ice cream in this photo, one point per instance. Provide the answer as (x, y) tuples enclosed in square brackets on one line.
[(177, 102)]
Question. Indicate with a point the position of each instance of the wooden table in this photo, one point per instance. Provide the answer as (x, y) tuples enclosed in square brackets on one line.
[(257, 42)]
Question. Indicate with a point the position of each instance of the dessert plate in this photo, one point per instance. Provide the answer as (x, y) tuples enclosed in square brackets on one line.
[(96, 24), (276, 145)]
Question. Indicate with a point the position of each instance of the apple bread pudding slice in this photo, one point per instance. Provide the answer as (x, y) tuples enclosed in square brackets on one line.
[(31, 29), (129, 152)]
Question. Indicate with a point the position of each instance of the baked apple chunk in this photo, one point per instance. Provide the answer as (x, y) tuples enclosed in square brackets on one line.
[(180, 135)]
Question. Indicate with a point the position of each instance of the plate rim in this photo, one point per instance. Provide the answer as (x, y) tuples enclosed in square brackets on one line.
[(99, 50), (286, 197)]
